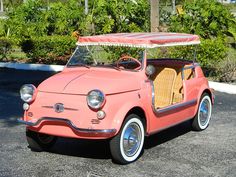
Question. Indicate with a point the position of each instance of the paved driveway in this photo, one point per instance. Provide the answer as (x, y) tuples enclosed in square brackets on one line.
[(177, 151)]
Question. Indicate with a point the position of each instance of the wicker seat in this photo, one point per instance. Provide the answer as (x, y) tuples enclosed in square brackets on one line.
[(163, 81), (178, 86)]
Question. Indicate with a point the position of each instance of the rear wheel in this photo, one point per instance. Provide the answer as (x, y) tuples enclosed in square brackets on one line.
[(39, 141), (127, 145), (203, 116)]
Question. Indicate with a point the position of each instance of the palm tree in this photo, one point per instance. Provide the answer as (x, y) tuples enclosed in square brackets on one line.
[(173, 6), (1, 7), (154, 14)]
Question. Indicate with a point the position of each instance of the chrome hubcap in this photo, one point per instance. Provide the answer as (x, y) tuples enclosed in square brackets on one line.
[(204, 112), (131, 139)]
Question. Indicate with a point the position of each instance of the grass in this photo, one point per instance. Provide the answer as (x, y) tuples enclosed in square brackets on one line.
[(16, 55), (231, 6)]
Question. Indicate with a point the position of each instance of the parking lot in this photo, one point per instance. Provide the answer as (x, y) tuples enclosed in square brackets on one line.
[(177, 151)]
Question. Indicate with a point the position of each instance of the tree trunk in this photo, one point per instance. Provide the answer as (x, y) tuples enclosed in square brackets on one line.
[(86, 7), (1, 7), (173, 7), (154, 15)]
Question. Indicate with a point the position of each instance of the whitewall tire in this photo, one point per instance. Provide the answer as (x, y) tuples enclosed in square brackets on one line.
[(127, 145), (203, 116)]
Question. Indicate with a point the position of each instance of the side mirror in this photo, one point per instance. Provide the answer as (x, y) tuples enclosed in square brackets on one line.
[(150, 70)]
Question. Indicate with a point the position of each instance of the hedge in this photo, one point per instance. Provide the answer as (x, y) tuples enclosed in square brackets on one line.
[(49, 49)]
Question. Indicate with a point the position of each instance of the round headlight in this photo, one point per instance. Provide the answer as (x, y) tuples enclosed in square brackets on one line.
[(95, 99), (27, 93)]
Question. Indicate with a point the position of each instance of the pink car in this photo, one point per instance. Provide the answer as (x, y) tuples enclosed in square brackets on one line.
[(114, 87)]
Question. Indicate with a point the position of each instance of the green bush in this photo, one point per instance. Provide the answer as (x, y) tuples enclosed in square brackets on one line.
[(213, 22), (208, 53), (49, 49), (211, 52), (206, 18), (5, 47)]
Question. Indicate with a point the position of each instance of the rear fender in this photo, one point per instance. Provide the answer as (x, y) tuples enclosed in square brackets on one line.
[(204, 89)]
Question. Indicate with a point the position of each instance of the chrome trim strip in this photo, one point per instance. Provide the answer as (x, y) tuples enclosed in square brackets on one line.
[(50, 107), (70, 109), (153, 96), (153, 93), (68, 122), (176, 106), (123, 92), (61, 93)]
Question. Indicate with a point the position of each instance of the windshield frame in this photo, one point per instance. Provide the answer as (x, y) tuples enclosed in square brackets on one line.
[(111, 66)]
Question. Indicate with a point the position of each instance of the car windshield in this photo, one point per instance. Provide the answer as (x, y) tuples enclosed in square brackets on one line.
[(117, 57)]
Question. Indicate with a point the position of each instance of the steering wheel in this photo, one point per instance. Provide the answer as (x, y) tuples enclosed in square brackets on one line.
[(126, 57)]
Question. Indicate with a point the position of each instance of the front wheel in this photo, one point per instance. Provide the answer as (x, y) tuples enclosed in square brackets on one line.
[(203, 116), (127, 145), (39, 141)]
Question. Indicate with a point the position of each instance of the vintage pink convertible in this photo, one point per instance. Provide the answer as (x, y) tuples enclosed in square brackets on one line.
[(115, 87)]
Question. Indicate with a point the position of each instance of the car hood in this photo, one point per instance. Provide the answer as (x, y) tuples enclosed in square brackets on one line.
[(82, 81)]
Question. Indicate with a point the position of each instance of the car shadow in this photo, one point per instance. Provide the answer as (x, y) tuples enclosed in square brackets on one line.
[(99, 149), (167, 135), (96, 149)]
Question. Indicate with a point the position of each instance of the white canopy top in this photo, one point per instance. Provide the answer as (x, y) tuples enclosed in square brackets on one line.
[(141, 40)]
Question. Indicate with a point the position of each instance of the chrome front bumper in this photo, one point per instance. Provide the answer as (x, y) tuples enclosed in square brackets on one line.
[(80, 131)]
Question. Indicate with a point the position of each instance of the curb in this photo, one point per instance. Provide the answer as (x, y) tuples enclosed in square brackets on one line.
[(221, 87), (37, 67)]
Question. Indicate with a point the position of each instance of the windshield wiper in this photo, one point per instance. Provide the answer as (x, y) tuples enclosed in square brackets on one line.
[(80, 64)]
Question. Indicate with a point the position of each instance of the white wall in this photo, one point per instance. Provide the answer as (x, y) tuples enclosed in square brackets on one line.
[(225, 1)]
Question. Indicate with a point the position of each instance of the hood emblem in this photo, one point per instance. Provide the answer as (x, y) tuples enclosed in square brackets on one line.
[(58, 107)]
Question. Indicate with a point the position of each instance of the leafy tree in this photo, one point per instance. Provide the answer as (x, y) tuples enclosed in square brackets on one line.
[(205, 18), (63, 18), (117, 16), (27, 20), (213, 22), (37, 18)]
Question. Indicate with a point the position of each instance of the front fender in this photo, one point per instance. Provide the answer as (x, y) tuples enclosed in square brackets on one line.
[(119, 107)]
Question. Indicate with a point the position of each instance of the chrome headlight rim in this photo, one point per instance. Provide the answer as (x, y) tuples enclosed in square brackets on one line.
[(28, 90), (101, 102)]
